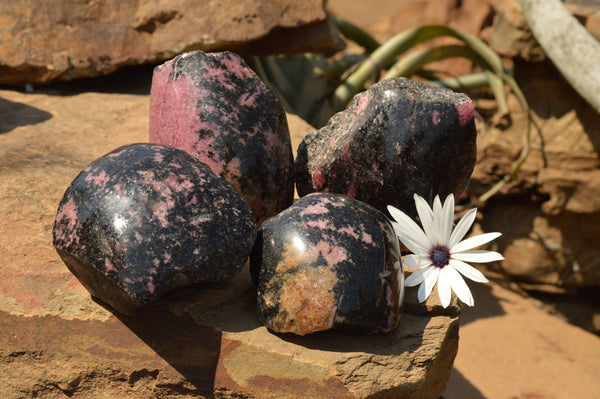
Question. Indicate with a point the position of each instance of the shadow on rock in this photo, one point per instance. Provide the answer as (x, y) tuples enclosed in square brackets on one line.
[(185, 327), (192, 350), (486, 304), (128, 80), (13, 115), (459, 387), (408, 337)]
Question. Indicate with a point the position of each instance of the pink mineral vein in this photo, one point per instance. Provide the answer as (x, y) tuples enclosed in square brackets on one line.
[(99, 180), (233, 170), (318, 179), (349, 230), (367, 238), (466, 111), (332, 254), (320, 224), (435, 117), (173, 116), (68, 212), (233, 64), (247, 99), (180, 183), (363, 100), (150, 287), (315, 209), (108, 265), (161, 210)]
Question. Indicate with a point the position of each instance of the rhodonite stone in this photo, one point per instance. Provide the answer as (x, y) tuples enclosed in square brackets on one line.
[(328, 262), (146, 219), (217, 109), (398, 138)]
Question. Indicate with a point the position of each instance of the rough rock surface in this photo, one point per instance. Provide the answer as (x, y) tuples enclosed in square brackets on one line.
[(201, 341), (218, 110), (328, 262), (57, 40), (145, 219), (398, 138)]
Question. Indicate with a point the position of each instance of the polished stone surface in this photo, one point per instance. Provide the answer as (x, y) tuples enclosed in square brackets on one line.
[(328, 262), (217, 109), (398, 138), (146, 219)]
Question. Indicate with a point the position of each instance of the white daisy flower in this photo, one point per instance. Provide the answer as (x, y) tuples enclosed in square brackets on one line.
[(438, 254)]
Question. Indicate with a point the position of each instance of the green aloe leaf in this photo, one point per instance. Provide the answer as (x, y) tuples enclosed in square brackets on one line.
[(412, 63), (387, 53), (356, 34)]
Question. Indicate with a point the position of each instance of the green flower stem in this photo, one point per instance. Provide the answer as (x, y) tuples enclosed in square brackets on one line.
[(464, 83), (356, 34), (497, 86), (410, 64), (336, 68), (385, 55)]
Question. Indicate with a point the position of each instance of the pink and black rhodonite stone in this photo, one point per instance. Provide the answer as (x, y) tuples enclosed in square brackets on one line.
[(218, 110), (328, 262), (145, 219), (396, 139)]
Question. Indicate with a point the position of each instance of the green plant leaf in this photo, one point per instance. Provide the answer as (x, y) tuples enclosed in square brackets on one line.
[(386, 54), (356, 34)]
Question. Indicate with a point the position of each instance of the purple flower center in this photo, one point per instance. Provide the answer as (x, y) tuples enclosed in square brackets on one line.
[(440, 256)]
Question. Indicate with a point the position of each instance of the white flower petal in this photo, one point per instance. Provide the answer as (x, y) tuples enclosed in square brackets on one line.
[(416, 261), (478, 256), (447, 220), (438, 216), (430, 278), (462, 227), (444, 290), (415, 278), (468, 271), (459, 286), (412, 246), (426, 216), (406, 227), (422, 294), (474, 241)]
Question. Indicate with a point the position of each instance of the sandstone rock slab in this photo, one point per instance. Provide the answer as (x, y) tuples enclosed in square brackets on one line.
[(201, 341), (55, 40)]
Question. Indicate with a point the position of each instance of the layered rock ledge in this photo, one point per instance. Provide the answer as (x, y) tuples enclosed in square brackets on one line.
[(201, 341), (59, 40)]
